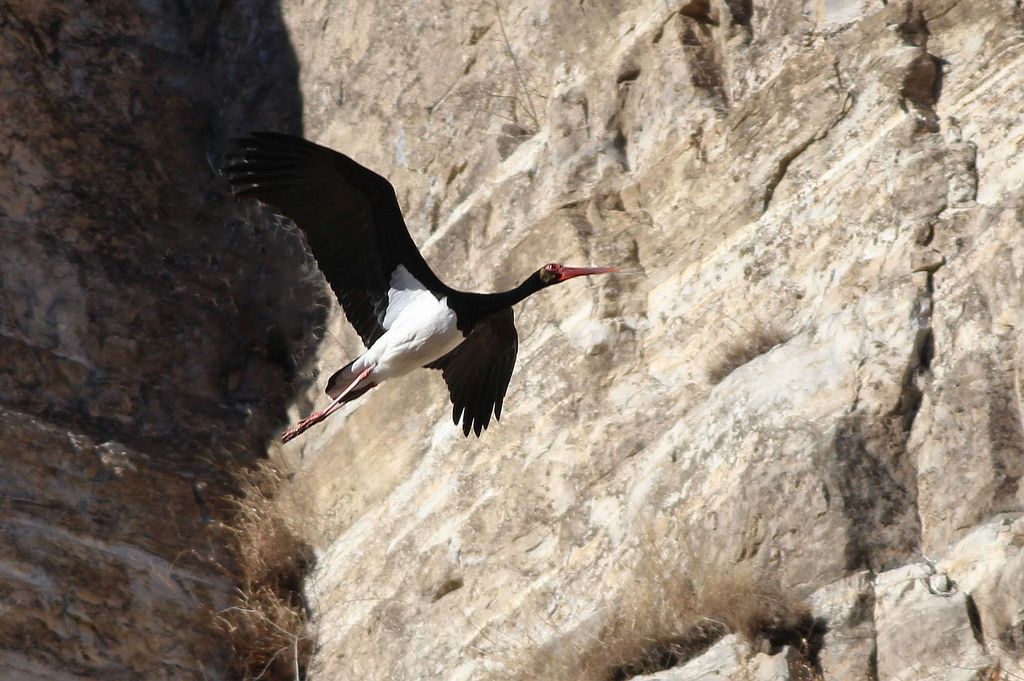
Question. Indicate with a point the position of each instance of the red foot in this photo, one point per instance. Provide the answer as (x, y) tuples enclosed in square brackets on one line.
[(313, 419), (302, 426)]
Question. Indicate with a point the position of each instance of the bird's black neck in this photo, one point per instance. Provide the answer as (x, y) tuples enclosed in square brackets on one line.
[(473, 307)]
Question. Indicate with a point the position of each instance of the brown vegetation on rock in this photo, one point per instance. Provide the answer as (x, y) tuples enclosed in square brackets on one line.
[(743, 347), (267, 627), (672, 609)]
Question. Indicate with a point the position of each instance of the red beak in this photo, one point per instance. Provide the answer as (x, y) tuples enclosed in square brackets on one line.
[(570, 272)]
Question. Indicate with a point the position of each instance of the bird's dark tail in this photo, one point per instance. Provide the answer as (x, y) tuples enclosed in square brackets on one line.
[(341, 379)]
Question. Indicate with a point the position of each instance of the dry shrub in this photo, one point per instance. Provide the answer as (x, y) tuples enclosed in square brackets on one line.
[(750, 604), (665, 616), (511, 92), (744, 347), (268, 626)]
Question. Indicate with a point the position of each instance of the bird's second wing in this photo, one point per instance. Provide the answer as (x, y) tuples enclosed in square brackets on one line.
[(477, 372), (349, 214)]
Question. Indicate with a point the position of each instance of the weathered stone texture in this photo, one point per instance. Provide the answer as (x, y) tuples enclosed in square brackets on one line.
[(144, 332), (92, 584), (810, 361), (836, 184)]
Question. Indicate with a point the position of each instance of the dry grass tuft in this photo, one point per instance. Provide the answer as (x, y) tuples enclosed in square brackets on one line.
[(508, 91), (744, 347), (268, 626), (666, 616), (752, 604)]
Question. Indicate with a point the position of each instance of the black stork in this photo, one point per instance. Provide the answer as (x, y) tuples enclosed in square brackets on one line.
[(405, 315)]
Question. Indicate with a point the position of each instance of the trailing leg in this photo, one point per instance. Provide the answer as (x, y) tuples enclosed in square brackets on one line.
[(315, 418)]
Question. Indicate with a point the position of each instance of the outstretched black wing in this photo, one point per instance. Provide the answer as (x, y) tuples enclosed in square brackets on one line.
[(478, 371), (350, 216)]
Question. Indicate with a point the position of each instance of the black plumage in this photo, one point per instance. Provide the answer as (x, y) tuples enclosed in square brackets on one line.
[(355, 231), (349, 214), (478, 372)]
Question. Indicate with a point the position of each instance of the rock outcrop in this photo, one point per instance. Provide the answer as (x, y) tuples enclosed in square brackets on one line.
[(809, 365), (145, 328)]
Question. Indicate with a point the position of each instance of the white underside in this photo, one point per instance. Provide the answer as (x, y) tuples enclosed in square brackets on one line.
[(419, 329)]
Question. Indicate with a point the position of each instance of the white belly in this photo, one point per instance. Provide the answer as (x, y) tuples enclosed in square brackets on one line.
[(418, 336), (419, 329)]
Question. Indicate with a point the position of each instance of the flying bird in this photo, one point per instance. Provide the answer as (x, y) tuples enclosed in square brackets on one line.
[(406, 316)]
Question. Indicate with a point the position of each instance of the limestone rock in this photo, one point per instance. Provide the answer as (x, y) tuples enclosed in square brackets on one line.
[(988, 566), (776, 385), (923, 632), (97, 568), (846, 609), (765, 667), (721, 662)]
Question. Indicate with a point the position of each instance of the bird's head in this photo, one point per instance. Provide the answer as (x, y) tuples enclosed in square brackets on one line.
[(553, 273)]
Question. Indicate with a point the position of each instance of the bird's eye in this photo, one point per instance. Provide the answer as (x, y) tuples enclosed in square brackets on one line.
[(549, 274)]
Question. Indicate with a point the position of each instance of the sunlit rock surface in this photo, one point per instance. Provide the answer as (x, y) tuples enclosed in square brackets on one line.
[(810, 363)]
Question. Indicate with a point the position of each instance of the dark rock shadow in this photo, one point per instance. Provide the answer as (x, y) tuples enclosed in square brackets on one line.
[(141, 303), (141, 306), (876, 480)]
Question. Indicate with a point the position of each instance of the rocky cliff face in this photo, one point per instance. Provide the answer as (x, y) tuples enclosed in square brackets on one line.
[(144, 332), (807, 372), (812, 364)]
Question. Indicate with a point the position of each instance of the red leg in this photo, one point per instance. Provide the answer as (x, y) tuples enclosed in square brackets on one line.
[(315, 418)]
